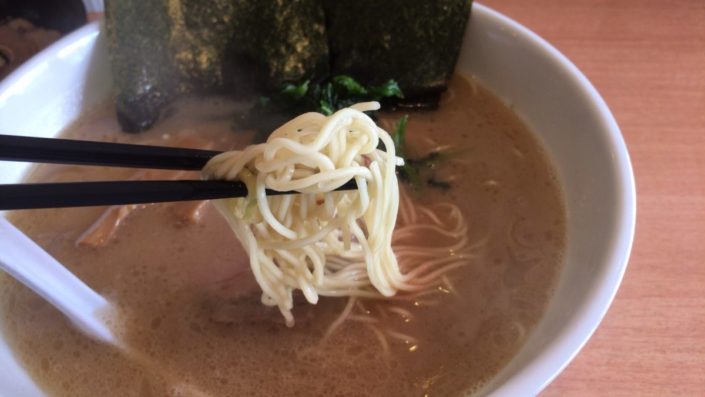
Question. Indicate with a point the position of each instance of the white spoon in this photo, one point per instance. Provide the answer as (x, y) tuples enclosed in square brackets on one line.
[(31, 265)]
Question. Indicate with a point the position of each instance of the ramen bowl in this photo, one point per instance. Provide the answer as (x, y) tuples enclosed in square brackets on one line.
[(544, 88)]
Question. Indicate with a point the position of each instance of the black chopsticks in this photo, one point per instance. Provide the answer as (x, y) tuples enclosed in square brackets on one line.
[(84, 194), (70, 151)]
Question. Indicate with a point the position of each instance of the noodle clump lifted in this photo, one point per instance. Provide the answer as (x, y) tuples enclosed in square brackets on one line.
[(322, 242)]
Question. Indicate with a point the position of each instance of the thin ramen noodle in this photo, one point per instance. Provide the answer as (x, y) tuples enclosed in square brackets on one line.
[(322, 242)]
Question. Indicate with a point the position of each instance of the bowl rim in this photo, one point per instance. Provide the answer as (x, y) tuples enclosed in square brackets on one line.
[(552, 360), (64, 46), (545, 366)]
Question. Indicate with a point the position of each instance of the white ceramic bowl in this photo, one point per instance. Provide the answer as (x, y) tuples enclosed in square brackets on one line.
[(557, 102)]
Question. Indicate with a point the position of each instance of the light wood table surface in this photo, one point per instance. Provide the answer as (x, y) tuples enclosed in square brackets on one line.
[(647, 59)]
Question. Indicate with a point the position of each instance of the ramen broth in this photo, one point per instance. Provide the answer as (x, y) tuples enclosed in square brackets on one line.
[(189, 308)]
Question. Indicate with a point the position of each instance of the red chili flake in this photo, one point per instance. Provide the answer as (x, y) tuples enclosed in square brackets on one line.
[(367, 160)]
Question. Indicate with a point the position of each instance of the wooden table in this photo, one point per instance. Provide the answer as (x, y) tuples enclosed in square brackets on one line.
[(647, 59)]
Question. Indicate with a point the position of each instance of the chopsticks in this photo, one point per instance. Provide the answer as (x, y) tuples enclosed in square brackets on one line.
[(87, 194), (84, 194), (69, 151)]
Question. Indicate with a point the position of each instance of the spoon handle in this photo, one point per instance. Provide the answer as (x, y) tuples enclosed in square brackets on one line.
[(27, 262)]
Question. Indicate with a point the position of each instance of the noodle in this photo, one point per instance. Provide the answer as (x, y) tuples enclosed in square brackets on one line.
[(324, 242)]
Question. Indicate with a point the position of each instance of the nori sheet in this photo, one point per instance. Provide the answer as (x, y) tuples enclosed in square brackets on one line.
[(163, 48), (143, 71), (415, 42)]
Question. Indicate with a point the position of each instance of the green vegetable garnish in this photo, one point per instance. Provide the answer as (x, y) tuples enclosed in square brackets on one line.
[(326, 97), (418, 172), (408, 172), (349, 84), (399, 135), (295, 92)]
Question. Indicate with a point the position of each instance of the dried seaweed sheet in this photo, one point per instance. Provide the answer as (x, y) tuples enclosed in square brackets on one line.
[(415, 42), (163, 48)]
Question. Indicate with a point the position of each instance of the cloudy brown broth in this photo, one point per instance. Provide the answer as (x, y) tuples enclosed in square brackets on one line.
[(190, 311)]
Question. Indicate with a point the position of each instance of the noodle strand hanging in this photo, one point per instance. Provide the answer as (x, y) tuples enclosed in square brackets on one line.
[(322, 242)]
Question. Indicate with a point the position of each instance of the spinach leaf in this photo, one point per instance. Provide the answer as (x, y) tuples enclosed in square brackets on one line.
[(417, 172), (399, 135), (325, 97)]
